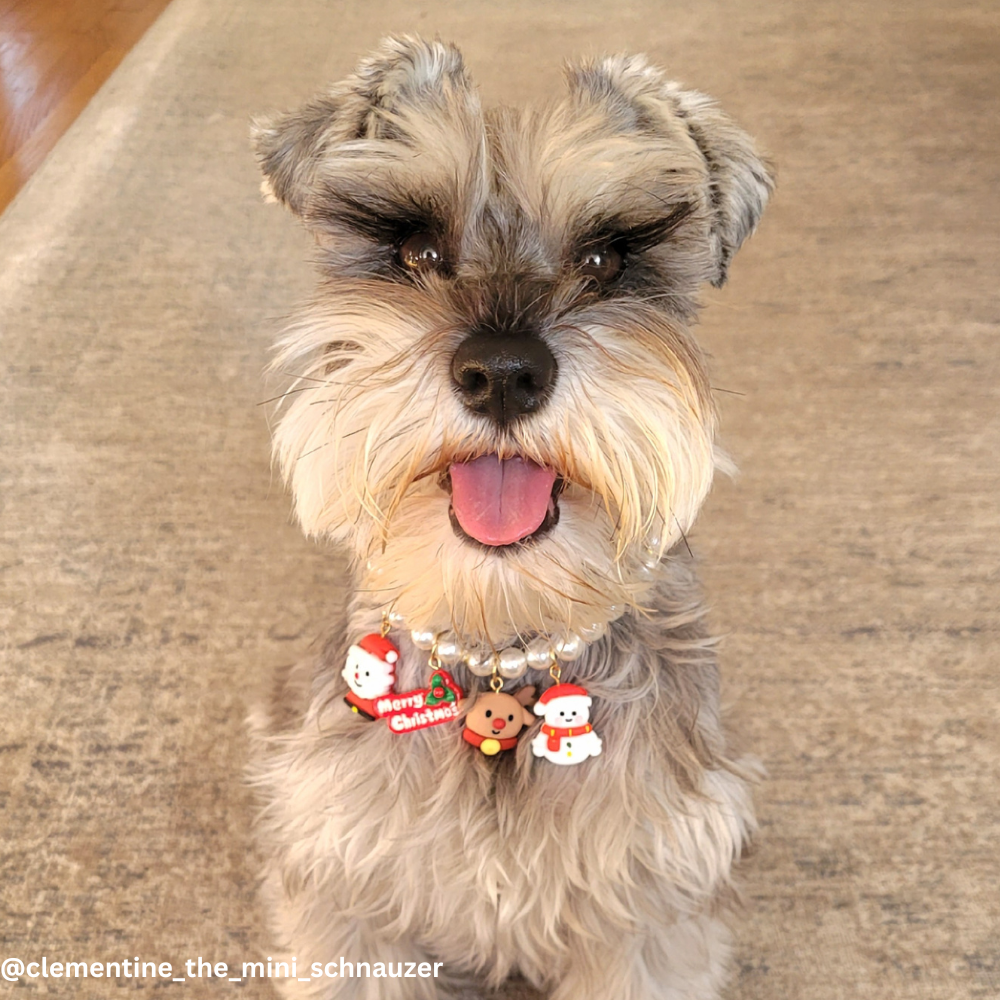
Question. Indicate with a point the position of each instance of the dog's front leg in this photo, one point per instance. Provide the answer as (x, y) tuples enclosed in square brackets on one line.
[(379, 971), (685, 960), (341, 958)]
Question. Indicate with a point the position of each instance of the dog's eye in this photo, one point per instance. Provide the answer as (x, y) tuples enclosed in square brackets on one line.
[(421, 253), (602, 263)]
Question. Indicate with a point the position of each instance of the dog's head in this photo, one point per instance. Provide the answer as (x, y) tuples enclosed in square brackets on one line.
[(496, 402)]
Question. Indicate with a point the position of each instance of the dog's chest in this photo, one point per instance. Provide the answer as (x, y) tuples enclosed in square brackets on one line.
[(469, 857), (470, 870)]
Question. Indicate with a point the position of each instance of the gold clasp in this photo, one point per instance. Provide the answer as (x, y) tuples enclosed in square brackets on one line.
[(555, 671), (433, 662), (496, 681)]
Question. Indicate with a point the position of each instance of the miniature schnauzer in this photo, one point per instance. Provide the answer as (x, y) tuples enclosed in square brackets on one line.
[(497, 407)]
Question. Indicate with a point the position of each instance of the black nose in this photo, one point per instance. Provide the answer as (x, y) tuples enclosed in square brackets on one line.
[(503, 375)]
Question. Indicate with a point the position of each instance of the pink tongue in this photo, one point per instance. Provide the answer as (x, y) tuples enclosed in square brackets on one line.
[(499, 502)]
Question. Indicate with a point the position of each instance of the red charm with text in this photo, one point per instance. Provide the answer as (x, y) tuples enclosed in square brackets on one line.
[(370, 672), (411, 710)]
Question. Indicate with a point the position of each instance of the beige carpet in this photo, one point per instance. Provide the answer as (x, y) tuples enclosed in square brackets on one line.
[(149, 573)]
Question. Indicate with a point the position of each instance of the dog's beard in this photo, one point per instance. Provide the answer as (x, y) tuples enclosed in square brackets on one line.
[(372, 425)]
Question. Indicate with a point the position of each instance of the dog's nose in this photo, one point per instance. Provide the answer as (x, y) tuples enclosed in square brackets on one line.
[(503, 376)]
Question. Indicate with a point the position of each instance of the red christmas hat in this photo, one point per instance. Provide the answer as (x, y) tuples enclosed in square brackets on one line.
[(562, 691), (379, 646)]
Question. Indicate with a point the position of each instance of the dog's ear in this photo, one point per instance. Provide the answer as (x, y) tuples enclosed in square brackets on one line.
[(405, 73), (638, 98), (741, 180)]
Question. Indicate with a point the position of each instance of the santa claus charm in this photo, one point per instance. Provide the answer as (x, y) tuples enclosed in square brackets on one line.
[(370, 673), (566, 736)]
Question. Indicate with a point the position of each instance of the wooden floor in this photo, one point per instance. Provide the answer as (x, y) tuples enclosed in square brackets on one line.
[(54, 55)]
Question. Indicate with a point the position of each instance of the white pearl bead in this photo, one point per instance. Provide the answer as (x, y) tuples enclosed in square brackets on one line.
[(395, 619), (652, 543), (513, 663), (539, 653), (422, 639), (449, 649), (569, 647), (593, 632), (480, 662)]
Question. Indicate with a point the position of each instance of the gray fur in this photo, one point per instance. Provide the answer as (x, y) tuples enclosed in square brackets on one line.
[(638, 98), (403, 73), (609, 878)]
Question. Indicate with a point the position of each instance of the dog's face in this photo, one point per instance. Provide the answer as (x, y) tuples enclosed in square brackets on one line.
[(496, 403)]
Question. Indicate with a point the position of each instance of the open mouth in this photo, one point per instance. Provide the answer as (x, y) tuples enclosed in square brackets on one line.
[(502, 501)]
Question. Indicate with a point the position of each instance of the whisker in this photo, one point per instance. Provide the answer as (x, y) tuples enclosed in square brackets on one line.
[(312, 451), (287, 392), (307, 378), (683, 536)]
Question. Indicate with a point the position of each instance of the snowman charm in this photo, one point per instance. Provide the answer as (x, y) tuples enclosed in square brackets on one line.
[(370, 673), (566, 736)]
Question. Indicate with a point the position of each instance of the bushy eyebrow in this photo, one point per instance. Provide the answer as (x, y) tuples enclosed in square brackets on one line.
[(635, 234), (382, 216)]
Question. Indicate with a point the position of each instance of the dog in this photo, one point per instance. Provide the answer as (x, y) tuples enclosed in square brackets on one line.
[(497, 408)]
